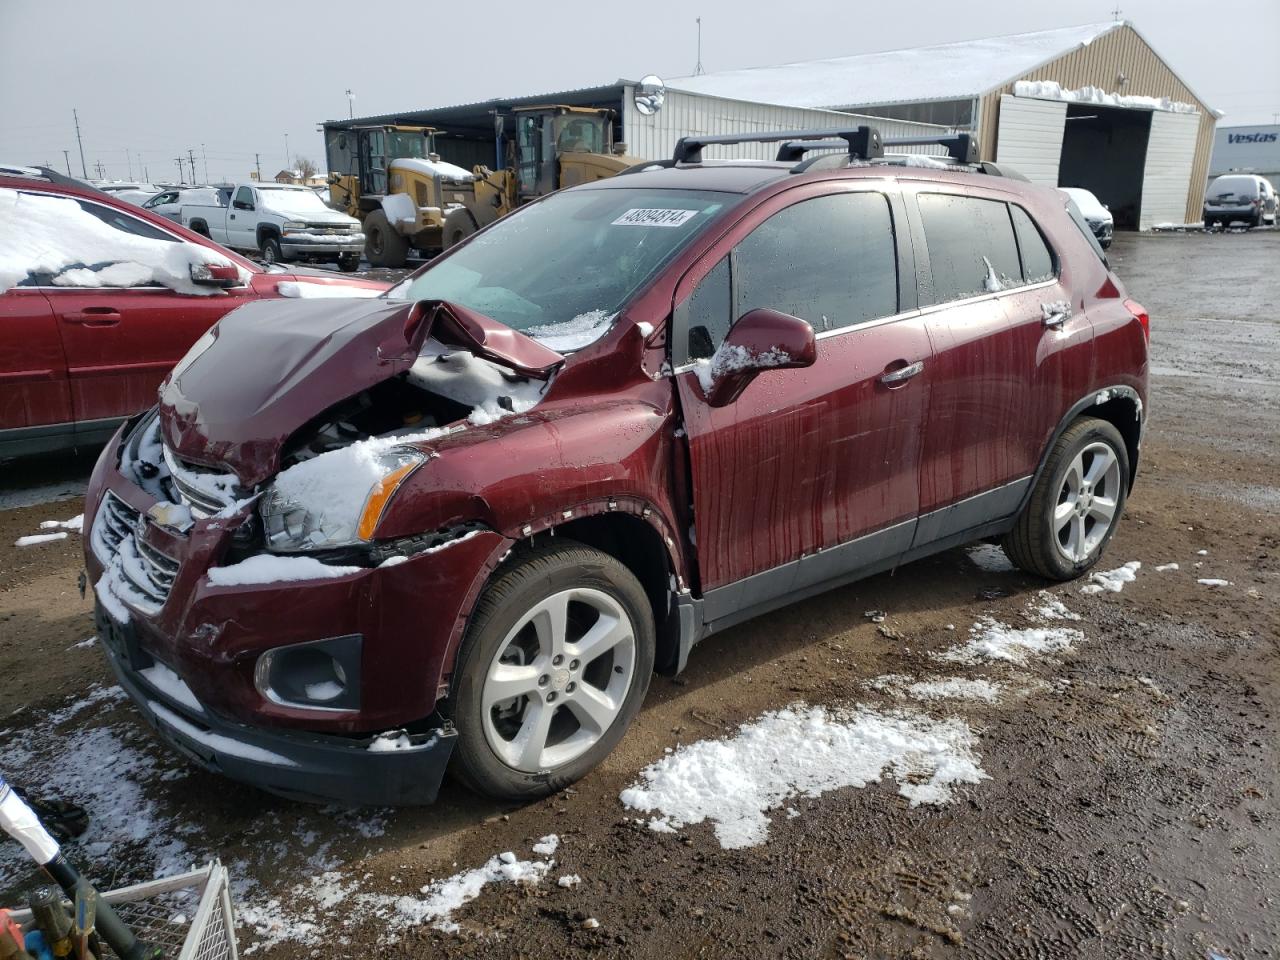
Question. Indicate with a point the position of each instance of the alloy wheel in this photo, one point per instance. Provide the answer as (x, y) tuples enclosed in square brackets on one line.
[(1087, 502), (559, 679)]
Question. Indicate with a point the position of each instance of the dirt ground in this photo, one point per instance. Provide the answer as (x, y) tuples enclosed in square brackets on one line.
[(1130, 807)]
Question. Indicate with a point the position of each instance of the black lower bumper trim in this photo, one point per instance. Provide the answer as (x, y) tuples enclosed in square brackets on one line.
[(312, 767)]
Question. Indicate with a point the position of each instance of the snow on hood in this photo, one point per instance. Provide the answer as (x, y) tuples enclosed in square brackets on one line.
[(43, 234), (432, 168), (273, 365), (301, 205)]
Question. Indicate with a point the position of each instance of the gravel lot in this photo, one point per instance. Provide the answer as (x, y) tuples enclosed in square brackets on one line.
[(1127, 803)]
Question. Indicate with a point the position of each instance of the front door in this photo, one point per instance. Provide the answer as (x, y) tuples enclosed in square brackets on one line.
[(811, 474), (242, 219)]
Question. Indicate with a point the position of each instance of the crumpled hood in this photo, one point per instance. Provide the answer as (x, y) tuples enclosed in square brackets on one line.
[(276, 364)]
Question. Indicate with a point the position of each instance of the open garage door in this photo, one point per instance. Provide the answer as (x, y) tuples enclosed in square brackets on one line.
[(1171, 150), (1029, 137)]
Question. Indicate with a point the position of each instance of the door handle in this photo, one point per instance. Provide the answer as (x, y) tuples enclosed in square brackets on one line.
[(902, 374), (1055, 314), (94, 316)]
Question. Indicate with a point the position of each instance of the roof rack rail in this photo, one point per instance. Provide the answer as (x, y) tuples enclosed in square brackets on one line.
[(960, 146), (863, 143), (792, 151)]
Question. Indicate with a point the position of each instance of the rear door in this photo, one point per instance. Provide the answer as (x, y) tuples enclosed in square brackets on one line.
[(120, 342), (979, 446), (811, 473)]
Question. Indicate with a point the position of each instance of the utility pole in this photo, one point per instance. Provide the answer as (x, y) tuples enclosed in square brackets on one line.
[(697, 68), (204, 157), (288, 164), (83, 171), (102, 174), (257, 165), (191, 157), (146, 174), (350, 109), (129, 161), (66, 155), (178, 161)]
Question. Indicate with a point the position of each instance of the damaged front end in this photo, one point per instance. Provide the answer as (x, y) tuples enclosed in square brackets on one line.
[(235, 543)]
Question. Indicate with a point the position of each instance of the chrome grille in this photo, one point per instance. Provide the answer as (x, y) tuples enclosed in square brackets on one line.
[(115, 521), (205, 491), (155, 572)]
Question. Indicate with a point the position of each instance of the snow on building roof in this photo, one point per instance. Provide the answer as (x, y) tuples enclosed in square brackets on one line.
[(945, 71)]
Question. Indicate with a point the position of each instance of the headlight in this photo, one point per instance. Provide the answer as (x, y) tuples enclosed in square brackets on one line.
[(335, 499), (197, 348), (294, 225)]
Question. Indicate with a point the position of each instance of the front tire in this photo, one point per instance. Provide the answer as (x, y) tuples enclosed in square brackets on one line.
[(269, 247), (553, 669), (1076, 504), (458, 225), (349, 263), (383, 246)]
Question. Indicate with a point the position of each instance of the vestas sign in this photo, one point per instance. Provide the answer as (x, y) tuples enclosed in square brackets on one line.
[(1252, 137)]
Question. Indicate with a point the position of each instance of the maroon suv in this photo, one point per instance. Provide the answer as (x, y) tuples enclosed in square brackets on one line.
[(358, 540)]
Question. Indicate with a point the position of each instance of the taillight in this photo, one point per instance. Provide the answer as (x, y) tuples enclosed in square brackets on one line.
[(1140, 314)]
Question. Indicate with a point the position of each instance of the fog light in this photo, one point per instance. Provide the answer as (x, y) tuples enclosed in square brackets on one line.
[(320, 675)]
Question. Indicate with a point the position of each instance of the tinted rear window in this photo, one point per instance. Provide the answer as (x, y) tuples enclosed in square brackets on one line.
[(972, 249), (1235, 186)]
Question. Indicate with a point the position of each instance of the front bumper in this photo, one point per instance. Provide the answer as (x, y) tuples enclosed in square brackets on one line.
[(298, 765), (318, 244)]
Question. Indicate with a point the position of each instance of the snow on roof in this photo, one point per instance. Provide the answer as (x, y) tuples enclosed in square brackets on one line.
[(945, 71)]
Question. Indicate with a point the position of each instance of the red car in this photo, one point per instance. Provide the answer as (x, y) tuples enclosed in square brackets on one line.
[(94, 312), (463, 523)]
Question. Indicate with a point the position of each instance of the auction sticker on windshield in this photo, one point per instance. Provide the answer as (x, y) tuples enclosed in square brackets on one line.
[(655, 217)]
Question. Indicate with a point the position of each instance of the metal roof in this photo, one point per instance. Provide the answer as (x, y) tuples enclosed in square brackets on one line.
[(945, 71), (476, 119)]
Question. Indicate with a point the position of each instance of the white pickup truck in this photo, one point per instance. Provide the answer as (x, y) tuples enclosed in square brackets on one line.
[(280, 221)]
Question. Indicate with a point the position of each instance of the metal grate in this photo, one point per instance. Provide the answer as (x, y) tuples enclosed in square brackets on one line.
[(200, 898), (114, 522)]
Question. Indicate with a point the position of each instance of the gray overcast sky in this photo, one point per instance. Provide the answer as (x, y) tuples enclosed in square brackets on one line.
[(159, 78)]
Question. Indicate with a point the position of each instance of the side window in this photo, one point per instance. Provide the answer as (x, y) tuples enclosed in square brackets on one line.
[(125, 223), (971, 246), (1037, 261), (244, 199), (830, 260), (709, 312)]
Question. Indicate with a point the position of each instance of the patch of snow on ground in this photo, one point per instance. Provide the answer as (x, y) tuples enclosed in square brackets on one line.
[(989, 639), (955, 688), (547, 845), (84, 644), (1214, 582), (583, 330), (75, 524), (802, 751), (266, 568), (989, 557), (38, 538), (569, 881), (1166, 567), (1049, 607), (1112, 580)]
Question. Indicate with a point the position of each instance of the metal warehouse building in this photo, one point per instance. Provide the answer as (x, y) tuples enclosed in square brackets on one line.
[(1092, 106), (467, 133)]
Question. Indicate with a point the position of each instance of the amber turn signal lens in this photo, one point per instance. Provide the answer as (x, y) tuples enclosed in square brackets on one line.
[(378, 498)]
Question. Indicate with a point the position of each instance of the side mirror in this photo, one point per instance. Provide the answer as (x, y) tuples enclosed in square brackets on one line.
[(761, 340), (220, 275)]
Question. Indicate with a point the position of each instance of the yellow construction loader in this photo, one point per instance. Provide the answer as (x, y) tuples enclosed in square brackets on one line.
[(406, 197)]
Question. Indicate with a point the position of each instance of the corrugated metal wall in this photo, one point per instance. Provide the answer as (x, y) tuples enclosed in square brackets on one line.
[(1099, 65), (684, 114), (1031, 137)]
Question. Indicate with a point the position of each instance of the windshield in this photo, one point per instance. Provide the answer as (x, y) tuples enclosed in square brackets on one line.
[(292, 201), (403, 144), (560, 270)]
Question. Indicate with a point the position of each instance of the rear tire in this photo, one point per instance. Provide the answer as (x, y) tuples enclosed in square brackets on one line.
[(1076, 504), (458, 225), (573, 690), (383, 246)]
